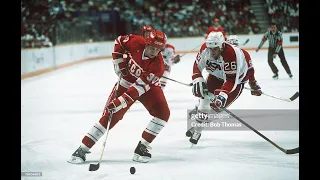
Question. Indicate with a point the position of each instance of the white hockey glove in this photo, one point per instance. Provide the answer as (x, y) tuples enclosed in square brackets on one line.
[(119, 103), (120, 66), (199, 88)]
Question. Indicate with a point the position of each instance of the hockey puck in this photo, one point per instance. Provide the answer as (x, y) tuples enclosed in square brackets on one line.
[(132, 170)]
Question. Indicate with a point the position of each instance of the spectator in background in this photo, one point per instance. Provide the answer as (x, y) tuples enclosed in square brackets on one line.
[(67, 21), (216, 28)]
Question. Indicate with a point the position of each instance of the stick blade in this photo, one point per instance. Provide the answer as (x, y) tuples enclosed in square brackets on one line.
[(94, 167), (292, 151), (295, 96)]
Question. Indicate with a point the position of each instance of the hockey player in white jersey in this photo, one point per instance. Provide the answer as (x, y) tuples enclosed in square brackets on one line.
[(170, 58), (229, 68)]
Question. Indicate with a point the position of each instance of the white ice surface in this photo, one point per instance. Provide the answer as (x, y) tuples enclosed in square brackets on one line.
[(58, 108)]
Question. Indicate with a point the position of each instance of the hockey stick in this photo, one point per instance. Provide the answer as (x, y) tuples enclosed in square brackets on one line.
[(287, 151), (94, 167), (190, 84), (191, 50), (292, 98), (245, 42)]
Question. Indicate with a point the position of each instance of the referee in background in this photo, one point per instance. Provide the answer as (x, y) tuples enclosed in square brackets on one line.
[(275, 48)]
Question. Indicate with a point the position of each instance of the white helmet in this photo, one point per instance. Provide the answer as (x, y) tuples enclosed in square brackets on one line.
[(215, 39), (233, 39)]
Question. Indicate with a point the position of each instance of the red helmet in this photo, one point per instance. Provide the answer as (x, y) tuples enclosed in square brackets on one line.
[(146, 29), (157, 39)]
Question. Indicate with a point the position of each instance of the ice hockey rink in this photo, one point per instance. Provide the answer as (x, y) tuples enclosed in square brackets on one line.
[(58, 108)]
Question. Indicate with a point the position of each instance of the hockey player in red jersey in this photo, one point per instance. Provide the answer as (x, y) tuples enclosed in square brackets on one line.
[(169, 55), (139, 63), (216, 28), (229, 68)]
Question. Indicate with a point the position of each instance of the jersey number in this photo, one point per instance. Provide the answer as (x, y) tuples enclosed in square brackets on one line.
[(230, 66), (153, 78)]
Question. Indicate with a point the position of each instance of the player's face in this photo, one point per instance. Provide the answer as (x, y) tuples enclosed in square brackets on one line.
[(273, 28), (215, 52), (151, 51)]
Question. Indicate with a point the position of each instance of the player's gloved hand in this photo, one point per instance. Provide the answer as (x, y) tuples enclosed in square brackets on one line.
[(119, 103), (176, 59), (120, 65), (199, 88), (220, 100), (255, 88)]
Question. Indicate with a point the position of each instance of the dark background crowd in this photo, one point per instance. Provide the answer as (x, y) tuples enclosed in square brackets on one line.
[(49, 22)]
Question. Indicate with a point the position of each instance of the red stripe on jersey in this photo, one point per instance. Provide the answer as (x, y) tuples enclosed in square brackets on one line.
[(196, 71), (279, 42), (264, 39), (250, 74)]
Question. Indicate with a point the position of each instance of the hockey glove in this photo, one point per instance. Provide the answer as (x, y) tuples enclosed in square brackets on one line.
[(219, 100), (120, 66), (121, 102), (176, 59), (199, 88), (255, 88)]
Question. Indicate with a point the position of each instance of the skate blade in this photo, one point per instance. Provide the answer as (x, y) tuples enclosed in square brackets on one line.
[(75, 160), (142, 159)]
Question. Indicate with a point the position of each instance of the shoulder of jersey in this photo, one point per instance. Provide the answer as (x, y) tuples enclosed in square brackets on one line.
[(137, 38), (228, 51), (203, 47)]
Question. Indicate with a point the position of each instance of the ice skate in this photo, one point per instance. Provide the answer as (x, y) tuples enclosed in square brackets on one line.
[(142, 153), (195, 138), (79, 156), (190, 132), (275, 76), (290, 75)]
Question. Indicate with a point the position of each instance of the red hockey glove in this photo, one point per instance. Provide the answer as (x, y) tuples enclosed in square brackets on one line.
[(255, 88), (120, 65), (199, 88), (121, 102), (176, 59), (219, 100)]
